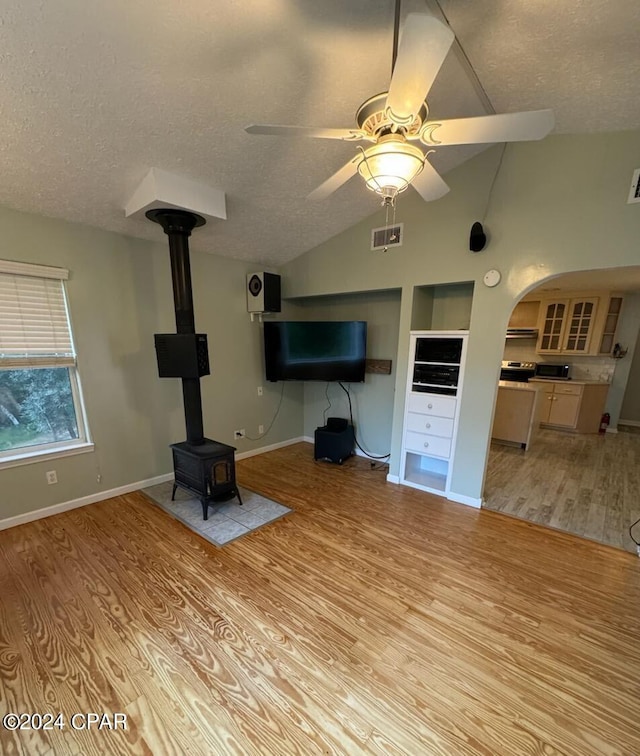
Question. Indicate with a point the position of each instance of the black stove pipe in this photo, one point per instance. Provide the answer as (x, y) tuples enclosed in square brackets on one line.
[(177, 225)]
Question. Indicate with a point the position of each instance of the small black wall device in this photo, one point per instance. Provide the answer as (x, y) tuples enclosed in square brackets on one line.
[(263, 292), (182, 355), (477, 237)]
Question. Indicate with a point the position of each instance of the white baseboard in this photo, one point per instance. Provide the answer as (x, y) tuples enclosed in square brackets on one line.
[(462, 499), (635, 423), (393, 478), (611, 430), (270, 447), (65, 506), (38, 514)]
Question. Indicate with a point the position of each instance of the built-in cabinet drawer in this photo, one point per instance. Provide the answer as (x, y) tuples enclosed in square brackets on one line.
[(567, 388), (424, 444), (434, 426), (430, 404)]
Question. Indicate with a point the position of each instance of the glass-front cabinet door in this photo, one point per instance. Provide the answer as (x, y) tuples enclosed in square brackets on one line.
[(552, 326), (580, 320), (567, 325)]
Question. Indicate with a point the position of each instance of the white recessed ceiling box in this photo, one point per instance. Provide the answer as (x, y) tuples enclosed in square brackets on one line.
[(163, 189)]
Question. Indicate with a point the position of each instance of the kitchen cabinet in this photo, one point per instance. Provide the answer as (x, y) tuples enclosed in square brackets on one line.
[(610, 325), (575, 406), (517, 414), (566, 325), (525, 315), (578, 324), (434, 386)]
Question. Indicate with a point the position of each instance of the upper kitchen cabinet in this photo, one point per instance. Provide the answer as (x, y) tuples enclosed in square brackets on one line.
[(525, 315), (607, 338), (578, 324)]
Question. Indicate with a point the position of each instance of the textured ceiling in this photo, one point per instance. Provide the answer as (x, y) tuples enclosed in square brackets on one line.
[(94, 94)]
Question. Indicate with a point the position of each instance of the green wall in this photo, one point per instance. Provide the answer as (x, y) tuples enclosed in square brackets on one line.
[(557, 206), (372, 401), (120, 294)]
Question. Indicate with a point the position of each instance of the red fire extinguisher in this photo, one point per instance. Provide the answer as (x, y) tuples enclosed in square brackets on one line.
[(604, 422)]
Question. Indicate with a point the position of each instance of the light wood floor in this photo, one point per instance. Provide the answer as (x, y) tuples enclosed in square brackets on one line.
[(375, 619), (586, 484)]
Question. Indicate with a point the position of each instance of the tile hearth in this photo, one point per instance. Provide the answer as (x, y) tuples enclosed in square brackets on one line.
[(227, 520)]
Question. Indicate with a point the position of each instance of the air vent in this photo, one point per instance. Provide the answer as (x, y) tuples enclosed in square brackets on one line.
[(387, 236), (634, 192)]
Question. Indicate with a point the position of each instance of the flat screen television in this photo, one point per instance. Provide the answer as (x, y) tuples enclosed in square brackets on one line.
[(315, 350)]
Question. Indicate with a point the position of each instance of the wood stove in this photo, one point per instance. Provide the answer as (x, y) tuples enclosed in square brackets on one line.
[(202, 466), (207, 470)]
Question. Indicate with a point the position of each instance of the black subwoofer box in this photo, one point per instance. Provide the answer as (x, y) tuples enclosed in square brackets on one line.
[(334, 441)]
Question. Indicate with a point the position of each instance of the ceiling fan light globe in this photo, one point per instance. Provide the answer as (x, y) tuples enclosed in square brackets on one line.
[(390, 166)]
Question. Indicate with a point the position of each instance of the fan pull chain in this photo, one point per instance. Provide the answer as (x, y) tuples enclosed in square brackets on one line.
[(389, 202)]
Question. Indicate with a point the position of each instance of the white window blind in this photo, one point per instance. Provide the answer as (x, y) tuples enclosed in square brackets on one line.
[(34, 322)]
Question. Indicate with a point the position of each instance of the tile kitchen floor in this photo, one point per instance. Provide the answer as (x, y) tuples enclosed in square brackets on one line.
[(586, 484)]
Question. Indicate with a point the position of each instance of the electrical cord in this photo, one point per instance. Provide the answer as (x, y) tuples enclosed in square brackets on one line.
[(631, 527), (364, 451), (262, 435), (328, 407)]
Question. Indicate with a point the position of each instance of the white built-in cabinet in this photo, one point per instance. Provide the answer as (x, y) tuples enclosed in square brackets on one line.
[(432, 406)]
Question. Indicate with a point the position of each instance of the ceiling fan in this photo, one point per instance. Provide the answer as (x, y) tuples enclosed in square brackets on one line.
[(396, 124)]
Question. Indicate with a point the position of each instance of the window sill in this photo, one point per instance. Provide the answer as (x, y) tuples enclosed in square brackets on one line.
[(28, 458)]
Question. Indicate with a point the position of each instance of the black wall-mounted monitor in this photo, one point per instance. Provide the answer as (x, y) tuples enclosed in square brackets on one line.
[(315, 350)]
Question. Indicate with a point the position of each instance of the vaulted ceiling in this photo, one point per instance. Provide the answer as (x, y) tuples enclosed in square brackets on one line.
[(94, 94)]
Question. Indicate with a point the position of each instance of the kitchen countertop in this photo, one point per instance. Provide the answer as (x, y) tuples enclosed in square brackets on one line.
[(519, 385), (572, 381)]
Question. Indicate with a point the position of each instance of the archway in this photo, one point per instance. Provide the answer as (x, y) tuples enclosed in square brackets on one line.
[(566, 474)]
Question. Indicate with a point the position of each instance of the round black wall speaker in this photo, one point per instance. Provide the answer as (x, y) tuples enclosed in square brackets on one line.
[(255, 285), (477, 237)]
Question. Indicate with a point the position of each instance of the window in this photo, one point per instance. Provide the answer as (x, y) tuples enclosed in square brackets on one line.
[(41, 408)]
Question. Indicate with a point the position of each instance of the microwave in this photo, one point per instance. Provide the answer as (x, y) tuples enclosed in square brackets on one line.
[(553, 371)]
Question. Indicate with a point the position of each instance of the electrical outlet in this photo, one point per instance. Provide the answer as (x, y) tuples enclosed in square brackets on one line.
[(259, 390), (261, 429), (52, 477), (238, 433)]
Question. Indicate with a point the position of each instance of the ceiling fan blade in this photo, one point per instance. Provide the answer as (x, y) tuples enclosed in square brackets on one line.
[(334, 182), (348, 135), (424, 45), (429, 184), (507, 127)]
